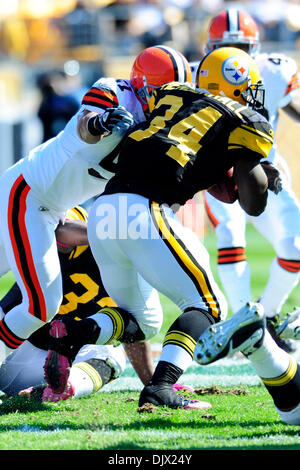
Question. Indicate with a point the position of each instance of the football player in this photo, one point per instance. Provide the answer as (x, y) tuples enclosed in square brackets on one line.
[(83, 295), (280, 222), (189, 142), (61, 173)]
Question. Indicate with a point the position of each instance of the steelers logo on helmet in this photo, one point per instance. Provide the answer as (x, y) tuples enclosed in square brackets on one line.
[(231, 72), (235, 70)]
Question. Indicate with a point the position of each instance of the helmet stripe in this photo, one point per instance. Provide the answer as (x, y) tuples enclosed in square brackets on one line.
[(233, 20), (180, 72)]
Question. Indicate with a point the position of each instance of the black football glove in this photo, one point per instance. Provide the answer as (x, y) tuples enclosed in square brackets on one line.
[(273, 175), (113, 118)]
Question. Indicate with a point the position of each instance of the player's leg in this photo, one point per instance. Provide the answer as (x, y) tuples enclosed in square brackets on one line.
[(160, 257), (138, 315), (170, 258), (282, 229), (280, 224), (93, 367), (28, 235), (229, 223), (245, 331)]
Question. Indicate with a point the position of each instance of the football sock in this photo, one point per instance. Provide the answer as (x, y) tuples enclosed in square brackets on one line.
[(235, 279), (279, 373), (106, 326), (281, 283), (166, 372), (269, 360), (117, 325)]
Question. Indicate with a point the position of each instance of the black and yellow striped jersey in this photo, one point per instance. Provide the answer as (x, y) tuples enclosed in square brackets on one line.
[(189, 141), (83, 291)]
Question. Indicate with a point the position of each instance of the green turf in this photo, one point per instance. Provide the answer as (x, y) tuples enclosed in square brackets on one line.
[(242, 417)]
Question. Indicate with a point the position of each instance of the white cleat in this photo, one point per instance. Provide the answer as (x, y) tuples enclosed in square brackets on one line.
[(242, 332), (290, 327)]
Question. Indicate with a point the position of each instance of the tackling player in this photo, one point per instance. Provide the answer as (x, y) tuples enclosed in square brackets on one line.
[(280, 222), (188, 143), (61, 173), (84, 295)]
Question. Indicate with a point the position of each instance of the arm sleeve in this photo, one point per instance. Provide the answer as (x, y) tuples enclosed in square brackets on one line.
[(257, 139), (100, 97)]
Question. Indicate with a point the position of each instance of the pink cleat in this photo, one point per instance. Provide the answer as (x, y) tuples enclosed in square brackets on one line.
[(197, 405), (57, 366), (180, 388), (44, 393), (50, 396)]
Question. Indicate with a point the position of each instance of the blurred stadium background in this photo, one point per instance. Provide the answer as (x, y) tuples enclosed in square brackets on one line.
[(58, 48)]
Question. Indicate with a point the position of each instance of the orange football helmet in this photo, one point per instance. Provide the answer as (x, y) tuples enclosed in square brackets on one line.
[(156, 66), (233, 28)]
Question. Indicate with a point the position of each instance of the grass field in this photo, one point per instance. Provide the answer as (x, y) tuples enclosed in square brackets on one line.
[(242, 417)]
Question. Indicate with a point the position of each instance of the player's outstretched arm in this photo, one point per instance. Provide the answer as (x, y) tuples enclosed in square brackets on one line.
[(92, 127)]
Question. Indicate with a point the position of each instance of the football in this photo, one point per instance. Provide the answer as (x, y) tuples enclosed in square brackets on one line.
[(226, 190)]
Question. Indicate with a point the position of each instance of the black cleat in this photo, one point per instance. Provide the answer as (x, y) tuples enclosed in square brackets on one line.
[(164, 395), (275, 327)]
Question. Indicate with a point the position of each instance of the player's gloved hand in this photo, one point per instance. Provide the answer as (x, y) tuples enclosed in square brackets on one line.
[(112, 118), (273, 175)]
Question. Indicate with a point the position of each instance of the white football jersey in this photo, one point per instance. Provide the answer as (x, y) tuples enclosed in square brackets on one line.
[(65, 171), (280, 76)]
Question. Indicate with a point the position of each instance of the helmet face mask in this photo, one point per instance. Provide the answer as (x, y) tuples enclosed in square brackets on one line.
[(254, 96), (231, 72), (145, 93), (244, 46)]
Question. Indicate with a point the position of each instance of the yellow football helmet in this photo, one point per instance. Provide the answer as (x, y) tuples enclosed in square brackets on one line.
[(231, 72)]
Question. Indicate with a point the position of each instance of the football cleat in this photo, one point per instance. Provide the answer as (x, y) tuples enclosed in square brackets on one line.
[(164, 395), (244, 332), (185, 388), (44, 393), (275, 325), (290, 326), (67, 337)]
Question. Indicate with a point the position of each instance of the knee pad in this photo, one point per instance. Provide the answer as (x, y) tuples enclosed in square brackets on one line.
[(125, 327)]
